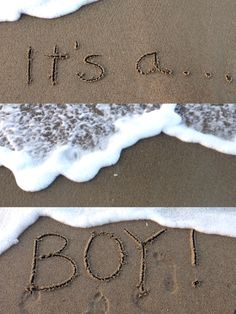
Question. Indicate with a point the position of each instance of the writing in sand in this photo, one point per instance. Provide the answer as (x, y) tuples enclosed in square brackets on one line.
[(148, 63), (141, 245)]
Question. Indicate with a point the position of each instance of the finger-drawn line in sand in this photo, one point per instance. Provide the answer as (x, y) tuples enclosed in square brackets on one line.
[(151, 59), (228, 78), (208, 75), (76, 45), (186, 73), (156, 66), (36, 258), (196, 283), (99, 305), (56, 57), (143, 245), (93, 78), (193, 248), (29, 65), (121, 251), (194, 257)]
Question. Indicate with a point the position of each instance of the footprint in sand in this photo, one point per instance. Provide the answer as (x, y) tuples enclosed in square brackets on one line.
[(169, 281), (166, 277), (27, 302), (159, 256), (99, 305)]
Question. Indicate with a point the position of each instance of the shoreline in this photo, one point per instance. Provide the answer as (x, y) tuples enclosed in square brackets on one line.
[(207, 220), (178, 174)]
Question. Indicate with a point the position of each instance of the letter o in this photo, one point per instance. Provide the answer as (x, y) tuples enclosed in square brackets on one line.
[(120, 248)]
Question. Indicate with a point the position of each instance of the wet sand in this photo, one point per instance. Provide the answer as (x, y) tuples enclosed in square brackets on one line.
[(159, 171), (174, 280), (195, 41)]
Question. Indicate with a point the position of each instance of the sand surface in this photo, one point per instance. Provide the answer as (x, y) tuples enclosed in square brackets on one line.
[(159, 171), (197, 38), (174, 280), (194, 40)]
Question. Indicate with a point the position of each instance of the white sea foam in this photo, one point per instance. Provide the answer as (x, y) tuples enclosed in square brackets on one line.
[(13, 221), (40, 142), (11, 10)]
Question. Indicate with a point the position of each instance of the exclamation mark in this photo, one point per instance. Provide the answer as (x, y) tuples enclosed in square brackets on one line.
[(29, 65), (194, 257)]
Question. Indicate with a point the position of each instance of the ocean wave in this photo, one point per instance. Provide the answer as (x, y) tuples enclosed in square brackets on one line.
[(39, 142), (11, 10), (13, 221)]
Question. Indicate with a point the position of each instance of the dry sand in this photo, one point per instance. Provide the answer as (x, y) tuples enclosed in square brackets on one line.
[(159, 171), (174, 283), (190, 36)]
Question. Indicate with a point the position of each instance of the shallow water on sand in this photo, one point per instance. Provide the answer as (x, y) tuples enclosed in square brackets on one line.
[(38, 142)]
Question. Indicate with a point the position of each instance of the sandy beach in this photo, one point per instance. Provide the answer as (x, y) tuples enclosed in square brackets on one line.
[(193, 44), (127, 51), (174, 280), (159, 171)]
